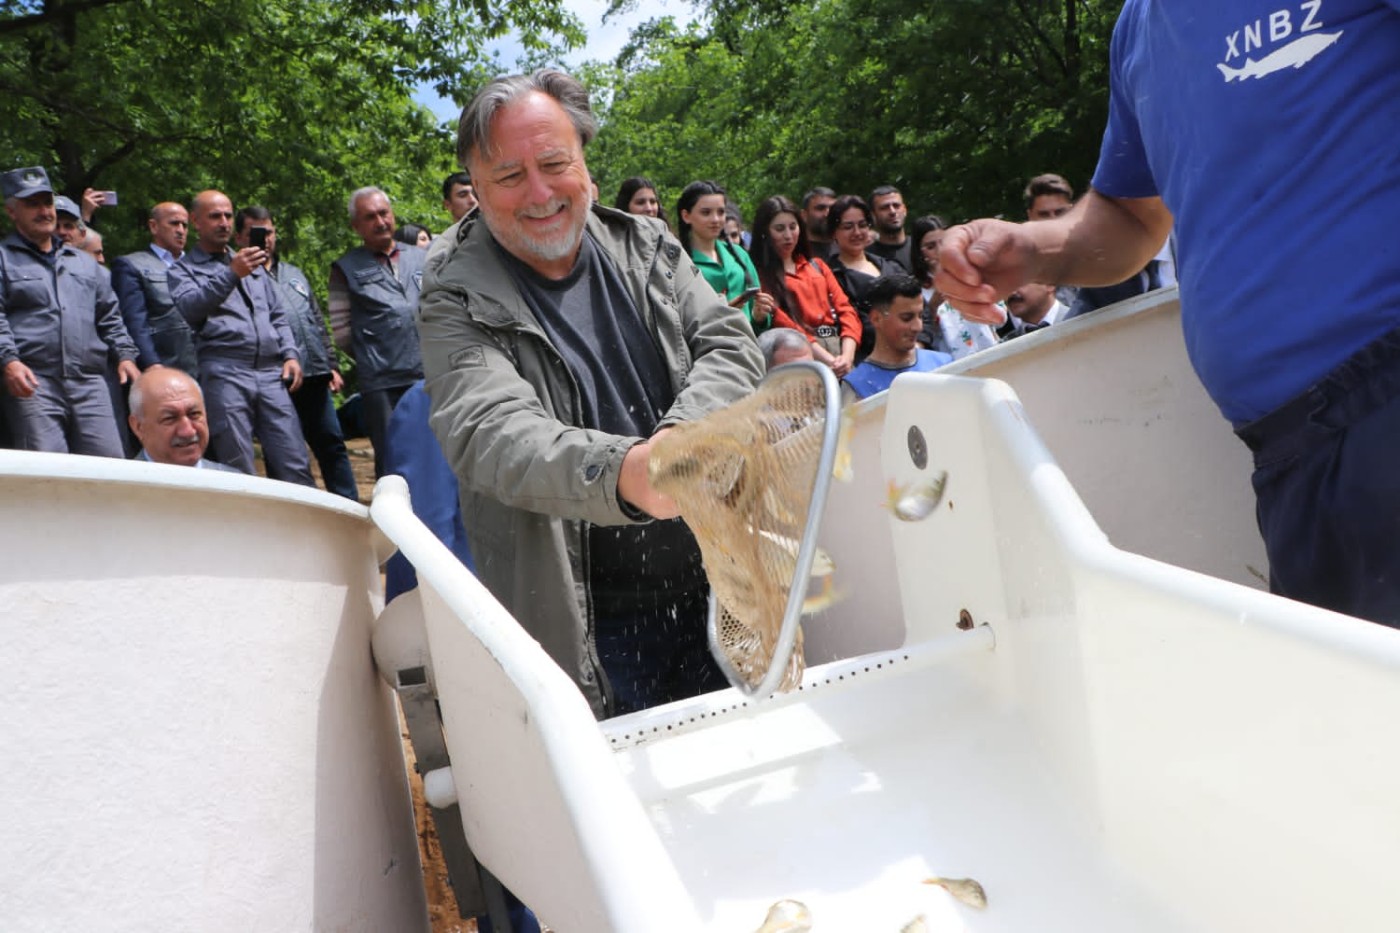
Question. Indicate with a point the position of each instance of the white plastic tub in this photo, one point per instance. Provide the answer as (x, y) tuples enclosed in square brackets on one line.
[(194, 736), (1116, 744)]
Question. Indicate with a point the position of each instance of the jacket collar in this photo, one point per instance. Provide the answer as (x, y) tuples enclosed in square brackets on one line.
[(473, 262), (13, 239)]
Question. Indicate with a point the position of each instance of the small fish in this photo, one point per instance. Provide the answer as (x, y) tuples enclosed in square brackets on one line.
[(787, 916), (915, 502), (841, 466), (784, 550), (918, 925), (826, 597), (964, 889)]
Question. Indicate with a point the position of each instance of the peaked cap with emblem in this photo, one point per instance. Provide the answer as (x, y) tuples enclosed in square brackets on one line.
[(22, 182)]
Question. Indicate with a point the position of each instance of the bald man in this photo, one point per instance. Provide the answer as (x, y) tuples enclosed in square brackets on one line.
[(167, 415), (248, 359), (140, 281)]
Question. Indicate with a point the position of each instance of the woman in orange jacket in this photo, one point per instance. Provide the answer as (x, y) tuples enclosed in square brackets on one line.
[(809, 299)]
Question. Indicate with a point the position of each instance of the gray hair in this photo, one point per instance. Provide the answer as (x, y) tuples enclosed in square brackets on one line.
[(779, 338), (474, 128), (360, 193)]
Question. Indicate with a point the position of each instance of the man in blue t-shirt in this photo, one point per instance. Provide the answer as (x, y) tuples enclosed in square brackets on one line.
[(1268, 131), (897, 317)]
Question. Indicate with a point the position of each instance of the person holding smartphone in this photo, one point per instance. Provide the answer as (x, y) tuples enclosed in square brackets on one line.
[(248, 357), (701, 216)]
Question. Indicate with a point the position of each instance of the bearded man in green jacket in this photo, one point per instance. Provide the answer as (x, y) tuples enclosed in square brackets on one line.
[(559, 337)]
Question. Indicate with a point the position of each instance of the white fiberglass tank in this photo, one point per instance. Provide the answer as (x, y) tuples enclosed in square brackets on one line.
[(194, 735)]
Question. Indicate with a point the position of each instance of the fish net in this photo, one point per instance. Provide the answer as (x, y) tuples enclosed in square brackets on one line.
[(751, 481)]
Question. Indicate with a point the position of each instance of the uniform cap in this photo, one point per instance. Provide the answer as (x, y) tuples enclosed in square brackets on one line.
[(22, 182), (65, 205)]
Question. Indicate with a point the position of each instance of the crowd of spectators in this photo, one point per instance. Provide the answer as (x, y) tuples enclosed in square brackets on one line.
[(229, 311), (818, 263)]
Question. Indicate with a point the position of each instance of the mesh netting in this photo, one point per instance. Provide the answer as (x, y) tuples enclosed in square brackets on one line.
[(746, 481)]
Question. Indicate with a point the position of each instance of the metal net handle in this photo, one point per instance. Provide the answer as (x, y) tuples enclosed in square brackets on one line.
[(806, 549)]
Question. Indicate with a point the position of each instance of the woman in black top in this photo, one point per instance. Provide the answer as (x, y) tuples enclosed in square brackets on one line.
[(927, 232), (848, 225)]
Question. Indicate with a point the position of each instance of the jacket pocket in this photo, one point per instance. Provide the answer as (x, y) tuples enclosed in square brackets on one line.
[(28, 291)]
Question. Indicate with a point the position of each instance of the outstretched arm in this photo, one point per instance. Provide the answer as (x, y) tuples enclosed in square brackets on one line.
[(1101, 241)]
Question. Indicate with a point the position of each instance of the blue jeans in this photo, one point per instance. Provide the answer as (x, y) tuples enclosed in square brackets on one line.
[(522, 920), (1328, 487)]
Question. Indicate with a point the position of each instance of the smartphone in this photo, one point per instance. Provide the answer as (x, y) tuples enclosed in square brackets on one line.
[(109, 199), (744, 296), (257, 237)]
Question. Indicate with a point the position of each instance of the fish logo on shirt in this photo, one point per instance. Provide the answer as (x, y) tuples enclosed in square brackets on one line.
[(1295, 54)]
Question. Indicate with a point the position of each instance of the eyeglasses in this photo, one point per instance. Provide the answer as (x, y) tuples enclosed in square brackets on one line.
[(849, 225)]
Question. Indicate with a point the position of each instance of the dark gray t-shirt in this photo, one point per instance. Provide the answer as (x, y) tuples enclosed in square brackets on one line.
[(590, 318), (901, 254)]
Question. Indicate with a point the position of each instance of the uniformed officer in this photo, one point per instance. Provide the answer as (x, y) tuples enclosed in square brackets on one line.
[(70, 227), (320, 376), (373, 297), (247, 358), (58, 322), (140, 280)]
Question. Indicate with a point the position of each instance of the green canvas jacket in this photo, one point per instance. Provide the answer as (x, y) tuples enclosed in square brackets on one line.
[(506, 410)]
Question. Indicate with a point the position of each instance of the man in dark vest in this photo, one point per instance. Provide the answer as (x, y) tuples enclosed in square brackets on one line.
[(248, 361), (373, 298), (320, 375), (139, 279)]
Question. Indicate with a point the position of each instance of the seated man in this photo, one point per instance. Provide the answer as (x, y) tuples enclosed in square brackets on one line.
[(167, 416), (781, 345), (896, 315)]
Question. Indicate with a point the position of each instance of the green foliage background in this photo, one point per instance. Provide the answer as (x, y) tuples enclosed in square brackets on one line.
[(957, 102), (294, 103), (287, 103)]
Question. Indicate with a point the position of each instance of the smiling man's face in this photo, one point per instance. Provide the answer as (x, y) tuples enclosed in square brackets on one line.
[(532, 184)]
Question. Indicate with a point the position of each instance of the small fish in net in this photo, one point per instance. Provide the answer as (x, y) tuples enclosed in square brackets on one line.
[(746, 479), (787, 916)]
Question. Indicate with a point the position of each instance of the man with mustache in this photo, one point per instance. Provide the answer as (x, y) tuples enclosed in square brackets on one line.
[(372, 299), (59, 322), (559, 337), (248, 358), (1033, 307), (167, 415)]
